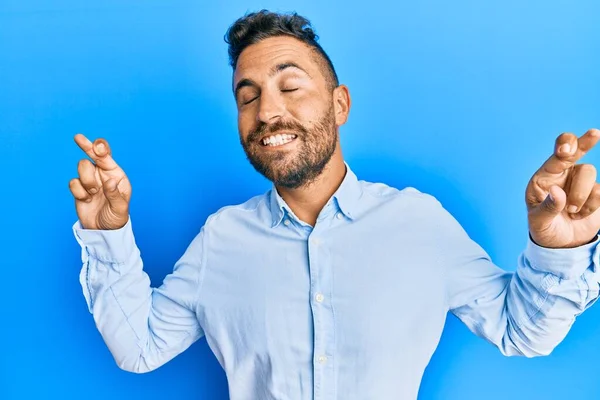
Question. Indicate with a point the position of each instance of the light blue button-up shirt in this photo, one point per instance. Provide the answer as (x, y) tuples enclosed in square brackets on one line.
[(350, 309)]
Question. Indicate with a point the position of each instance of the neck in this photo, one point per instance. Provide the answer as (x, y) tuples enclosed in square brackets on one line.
[(307, 201)]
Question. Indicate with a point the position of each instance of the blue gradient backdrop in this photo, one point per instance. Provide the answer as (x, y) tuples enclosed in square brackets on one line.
[(460, 99)]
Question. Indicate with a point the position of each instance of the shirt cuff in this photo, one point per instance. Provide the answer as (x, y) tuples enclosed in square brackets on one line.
[(564, 263), (112, 246)]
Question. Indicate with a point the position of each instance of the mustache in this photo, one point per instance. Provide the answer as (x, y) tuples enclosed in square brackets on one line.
[(267, 129)]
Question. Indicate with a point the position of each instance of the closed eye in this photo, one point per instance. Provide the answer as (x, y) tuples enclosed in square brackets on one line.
[(250, 101), (283, 90)]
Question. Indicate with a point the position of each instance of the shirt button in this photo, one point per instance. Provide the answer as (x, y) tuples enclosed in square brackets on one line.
[(322, 359), (286, 222), (319, 297), (339, 215)]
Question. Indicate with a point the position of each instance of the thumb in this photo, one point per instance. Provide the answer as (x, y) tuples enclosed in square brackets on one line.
[(111, 191), (554, 203)]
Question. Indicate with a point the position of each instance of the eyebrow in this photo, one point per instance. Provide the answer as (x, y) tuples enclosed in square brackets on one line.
[(274, 71)]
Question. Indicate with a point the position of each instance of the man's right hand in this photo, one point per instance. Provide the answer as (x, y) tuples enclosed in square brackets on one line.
[(102, 191)]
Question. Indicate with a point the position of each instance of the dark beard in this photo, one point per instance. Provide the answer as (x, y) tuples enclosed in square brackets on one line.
[(293, 169)]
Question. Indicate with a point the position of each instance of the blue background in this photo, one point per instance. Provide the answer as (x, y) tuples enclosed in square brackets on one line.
[(460, 99)]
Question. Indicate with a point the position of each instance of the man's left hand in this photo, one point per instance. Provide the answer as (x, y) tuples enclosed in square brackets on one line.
[(563, 197)]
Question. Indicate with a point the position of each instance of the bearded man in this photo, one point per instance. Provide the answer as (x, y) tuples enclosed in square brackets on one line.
[(326, 286)]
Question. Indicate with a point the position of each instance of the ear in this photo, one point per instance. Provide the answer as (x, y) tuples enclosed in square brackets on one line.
[(341, 104)]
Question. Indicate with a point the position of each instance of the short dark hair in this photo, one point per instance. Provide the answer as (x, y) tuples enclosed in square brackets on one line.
[(256, 26)]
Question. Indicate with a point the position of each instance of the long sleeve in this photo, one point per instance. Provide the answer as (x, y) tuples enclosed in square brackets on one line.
[(143, 327), (527, 312)]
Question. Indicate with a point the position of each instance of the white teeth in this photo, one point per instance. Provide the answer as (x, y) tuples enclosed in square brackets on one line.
[(277, 140)]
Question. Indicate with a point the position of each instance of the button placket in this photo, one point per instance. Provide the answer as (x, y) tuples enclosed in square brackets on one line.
[(317, 269)]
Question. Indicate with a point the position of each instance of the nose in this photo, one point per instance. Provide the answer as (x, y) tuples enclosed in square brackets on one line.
[(271, 108)]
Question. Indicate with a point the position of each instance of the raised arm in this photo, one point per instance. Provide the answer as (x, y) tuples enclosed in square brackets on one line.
[(143, 327)]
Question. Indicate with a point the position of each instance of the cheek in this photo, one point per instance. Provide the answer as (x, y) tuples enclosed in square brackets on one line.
[(308, 113), (245, 125), (309, 108)]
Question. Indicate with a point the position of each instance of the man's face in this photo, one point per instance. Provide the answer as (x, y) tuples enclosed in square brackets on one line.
[(286, 117)]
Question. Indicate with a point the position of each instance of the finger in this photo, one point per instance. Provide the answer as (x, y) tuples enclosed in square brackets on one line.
[(583, 178), (587, 141), (78, 191), (87, 176), (568, 150), (553, 204), (563, 158), (592, 203), (115, 198), (99, 151)]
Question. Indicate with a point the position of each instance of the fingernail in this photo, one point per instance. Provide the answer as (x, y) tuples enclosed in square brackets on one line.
[(100, 147), (572, 209), (565, 148), (595, 132), (93, 190)]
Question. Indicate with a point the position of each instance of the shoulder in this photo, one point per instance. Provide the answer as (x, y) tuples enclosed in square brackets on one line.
[(381, 192), (252, 209), (417, 210)]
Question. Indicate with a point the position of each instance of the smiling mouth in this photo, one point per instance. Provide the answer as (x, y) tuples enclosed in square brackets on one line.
[(278, 140)]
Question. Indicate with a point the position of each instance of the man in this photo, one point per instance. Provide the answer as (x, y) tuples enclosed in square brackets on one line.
[(327, 287)]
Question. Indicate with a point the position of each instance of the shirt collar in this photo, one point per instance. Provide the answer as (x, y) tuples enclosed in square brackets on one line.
[(346, 197)]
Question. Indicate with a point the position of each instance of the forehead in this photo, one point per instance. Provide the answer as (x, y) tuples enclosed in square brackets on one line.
[(259, 58)]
